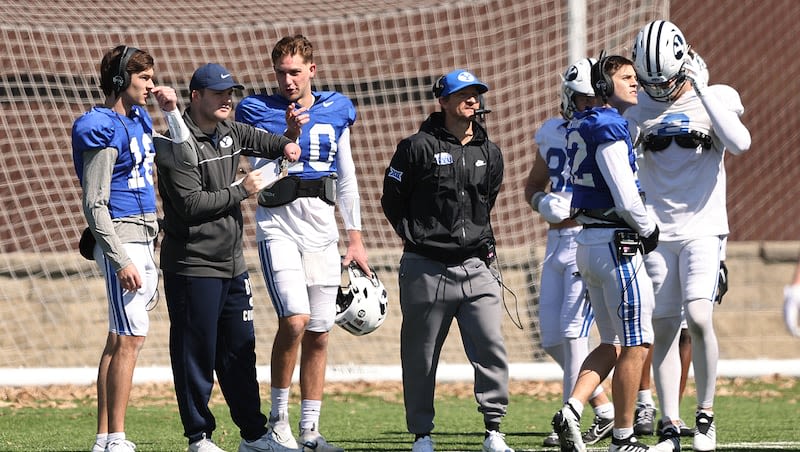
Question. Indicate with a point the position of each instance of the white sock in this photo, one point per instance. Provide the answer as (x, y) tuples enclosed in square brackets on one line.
[(309, 414), (645, 397), (116, 436), (605, 411), (576, 405), (280, 401), (622, 433), (101, 439)]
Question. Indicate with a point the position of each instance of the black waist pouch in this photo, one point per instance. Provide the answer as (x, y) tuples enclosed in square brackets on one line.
[(289, 188)]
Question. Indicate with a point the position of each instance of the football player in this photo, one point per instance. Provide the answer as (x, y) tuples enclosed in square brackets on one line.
[(297, 233), (112, 150), (617, 231), (684, 128), (565, 314)]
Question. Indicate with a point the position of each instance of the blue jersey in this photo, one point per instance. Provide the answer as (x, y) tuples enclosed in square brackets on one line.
[(132, 191), (588, 130), (330, 115)]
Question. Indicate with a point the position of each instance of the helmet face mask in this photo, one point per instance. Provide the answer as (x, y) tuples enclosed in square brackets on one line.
[(361, 305), (659, 53), (665, 91), (576, 80)]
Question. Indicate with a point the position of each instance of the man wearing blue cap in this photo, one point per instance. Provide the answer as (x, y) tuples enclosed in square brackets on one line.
[(206, 282), (438, 193)]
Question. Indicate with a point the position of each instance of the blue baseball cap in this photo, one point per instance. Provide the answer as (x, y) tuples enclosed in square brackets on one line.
[(456, 81), (213, 76)]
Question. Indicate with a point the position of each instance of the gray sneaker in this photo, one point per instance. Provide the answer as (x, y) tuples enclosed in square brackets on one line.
[(423, 444), (551, 440), (567, 424), (644, 420), (600, 429), (261, 444)]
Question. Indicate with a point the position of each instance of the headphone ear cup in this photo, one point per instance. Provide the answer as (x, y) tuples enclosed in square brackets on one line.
[(608, 89), (122, 79), (119, 82), (601, 88), (438, 86), (601, 82)]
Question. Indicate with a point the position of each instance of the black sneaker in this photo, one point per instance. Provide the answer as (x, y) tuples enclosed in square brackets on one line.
[(629, 444), (685, 431), (600, 429), (669, 440)]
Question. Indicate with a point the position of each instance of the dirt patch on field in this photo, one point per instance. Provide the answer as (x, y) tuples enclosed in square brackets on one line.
[(70, 396)]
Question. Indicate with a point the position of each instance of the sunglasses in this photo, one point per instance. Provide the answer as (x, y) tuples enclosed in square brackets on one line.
[(689, 140)]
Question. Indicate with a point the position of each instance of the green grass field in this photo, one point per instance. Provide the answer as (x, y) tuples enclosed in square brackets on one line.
[(752, 414)]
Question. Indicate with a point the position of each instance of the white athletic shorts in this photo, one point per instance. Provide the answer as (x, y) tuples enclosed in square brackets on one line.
[(127, 311), (621, 294), (564, 311), (302, 282), (683, 271)]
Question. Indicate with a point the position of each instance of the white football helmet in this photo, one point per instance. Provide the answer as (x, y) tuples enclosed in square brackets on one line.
[(658, 56), (362, 305), (577, 79)]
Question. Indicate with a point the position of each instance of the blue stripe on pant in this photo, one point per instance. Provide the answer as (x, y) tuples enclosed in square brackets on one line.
[(211, 329)]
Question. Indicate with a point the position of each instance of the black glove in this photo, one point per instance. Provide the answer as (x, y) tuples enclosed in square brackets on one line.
[(650, 242), (722, 283)]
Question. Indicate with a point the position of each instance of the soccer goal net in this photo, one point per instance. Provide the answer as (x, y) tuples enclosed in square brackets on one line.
[(384, 55)]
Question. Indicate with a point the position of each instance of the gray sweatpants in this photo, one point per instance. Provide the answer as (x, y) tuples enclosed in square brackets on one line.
[(431, 295)]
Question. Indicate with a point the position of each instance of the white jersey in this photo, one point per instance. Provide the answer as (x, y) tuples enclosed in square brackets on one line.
[(551, 138), (685, 189)]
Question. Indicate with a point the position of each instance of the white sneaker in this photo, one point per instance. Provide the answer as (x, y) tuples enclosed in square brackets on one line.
[(424, 444), (279, 437), (495, 442), (204, 445), (120, 445), (99, 447), (312, 441), (567, 423), (705, 434)]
